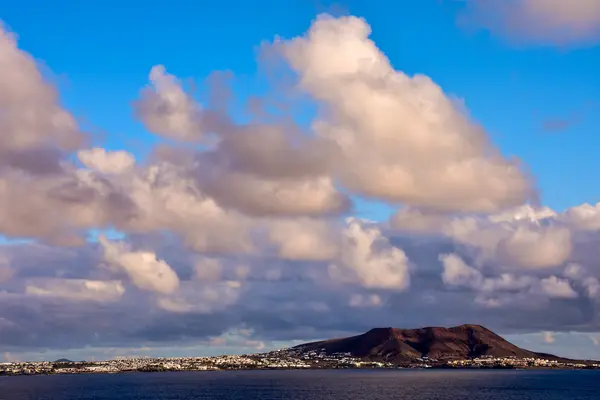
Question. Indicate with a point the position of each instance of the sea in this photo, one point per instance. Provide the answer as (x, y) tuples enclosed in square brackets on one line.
[(309, 385)]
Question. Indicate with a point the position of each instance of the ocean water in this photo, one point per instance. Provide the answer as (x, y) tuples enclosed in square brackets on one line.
[(309, 385)]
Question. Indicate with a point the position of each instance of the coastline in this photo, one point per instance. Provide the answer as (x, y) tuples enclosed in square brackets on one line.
[(82, 371)]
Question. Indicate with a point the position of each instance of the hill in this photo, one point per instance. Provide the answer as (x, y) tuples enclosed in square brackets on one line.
[(397, 345)]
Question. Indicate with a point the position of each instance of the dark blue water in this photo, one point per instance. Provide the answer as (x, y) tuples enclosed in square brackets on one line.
[(309, 385)]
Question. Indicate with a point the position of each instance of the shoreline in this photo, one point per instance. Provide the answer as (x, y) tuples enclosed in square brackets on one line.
[(432, 368)]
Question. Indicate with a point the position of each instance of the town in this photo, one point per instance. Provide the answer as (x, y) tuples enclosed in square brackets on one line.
[(280, 359)]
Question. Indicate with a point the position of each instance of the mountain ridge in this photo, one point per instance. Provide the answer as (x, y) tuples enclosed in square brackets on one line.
[(399, 345)]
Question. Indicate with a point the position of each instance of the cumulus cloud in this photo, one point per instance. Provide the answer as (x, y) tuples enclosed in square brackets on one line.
[(166, 109), (539, 21), (262, 197), (201, 299), (368, 259), (304, 239), (584, 216), (32, 116), (167, 198), (536, 248), (581, 277), (522, 237), (42, 194), (59, 208), (398, 138), (556, 288), (143, 267), (457, 273), (108, 162)]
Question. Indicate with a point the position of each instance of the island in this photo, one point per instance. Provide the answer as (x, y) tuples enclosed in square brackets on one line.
[(464, 346)]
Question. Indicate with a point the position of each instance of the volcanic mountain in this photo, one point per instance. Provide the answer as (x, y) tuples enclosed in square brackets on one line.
[(397, 345)]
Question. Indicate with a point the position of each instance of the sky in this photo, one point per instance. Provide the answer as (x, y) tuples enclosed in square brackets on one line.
[(195, 178)]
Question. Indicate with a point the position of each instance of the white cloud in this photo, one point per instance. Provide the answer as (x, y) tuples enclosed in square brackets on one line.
[(583, 217), (59, 208), (536, 247), (457, 273), (304, 239), (107, 162), (419, 221), (267, 197), (31, 114), (168, 199), (166, 109), (367, 258), (397, 138), (76, 289), (555, 287), (145, 270), (523, 237), (192, 297)]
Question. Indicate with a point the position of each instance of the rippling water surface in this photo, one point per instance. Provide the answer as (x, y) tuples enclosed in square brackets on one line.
[(309, 385)]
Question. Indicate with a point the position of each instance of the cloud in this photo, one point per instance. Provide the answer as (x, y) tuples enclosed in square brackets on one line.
[(397, 138), (166, 109), (556, 288), (207, 269), (76, 289), (584, 216), (6, 272), (549, 337), (167, 198), (368, 259), (522, 237), (362, 301), (556, 22), (304, 239), (32, 116), (107, 162), (457, 273), (262, 197), (201, 299), (59, 208), (536, 248), (143, 267)]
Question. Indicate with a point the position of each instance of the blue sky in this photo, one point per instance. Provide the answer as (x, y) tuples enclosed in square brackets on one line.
[(539, 102), (101, 58)]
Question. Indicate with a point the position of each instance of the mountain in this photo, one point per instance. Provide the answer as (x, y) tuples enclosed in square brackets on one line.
[(397, 345), (63, 360)]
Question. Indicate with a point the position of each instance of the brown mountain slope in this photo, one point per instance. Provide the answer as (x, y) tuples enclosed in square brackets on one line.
[(392, 344)]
